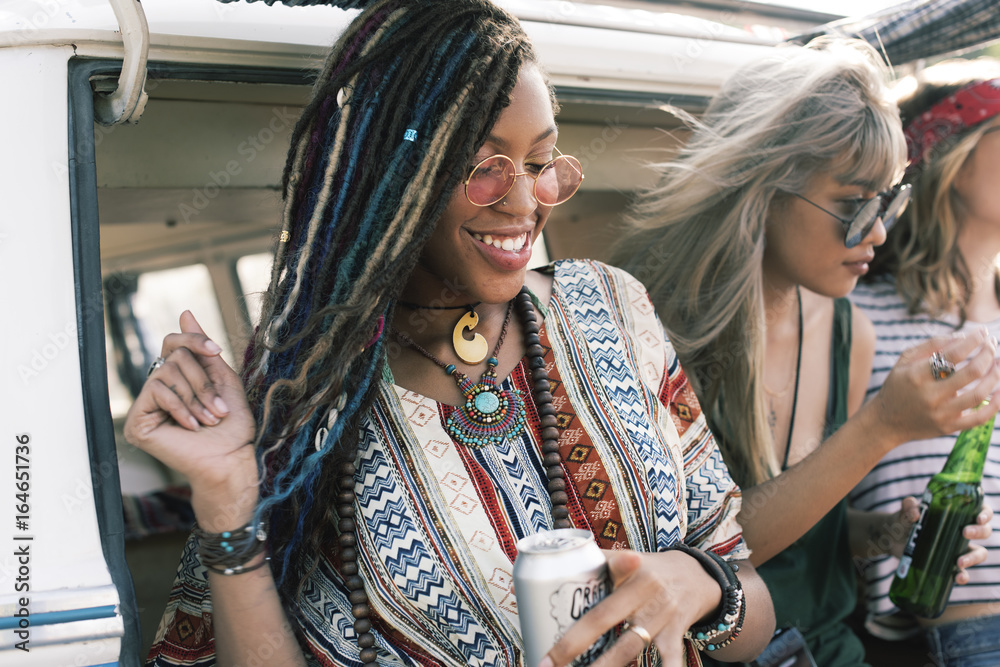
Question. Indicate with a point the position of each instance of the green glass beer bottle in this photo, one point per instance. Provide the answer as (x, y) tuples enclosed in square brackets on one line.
[(952, 500)]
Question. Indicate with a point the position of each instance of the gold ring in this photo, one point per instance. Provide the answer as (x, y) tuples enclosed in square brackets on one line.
[(642, 632)]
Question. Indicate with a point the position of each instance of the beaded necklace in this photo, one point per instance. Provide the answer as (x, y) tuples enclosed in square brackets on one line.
[(490, 413), (551, 459)]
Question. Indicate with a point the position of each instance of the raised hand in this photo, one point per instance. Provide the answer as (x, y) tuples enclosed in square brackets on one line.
[(915, 405), (192, 415)]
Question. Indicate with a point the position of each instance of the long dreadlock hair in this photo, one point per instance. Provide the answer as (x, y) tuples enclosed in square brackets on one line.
[(408, 94)]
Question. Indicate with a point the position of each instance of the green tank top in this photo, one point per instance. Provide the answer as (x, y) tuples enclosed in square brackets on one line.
[(812, 582)]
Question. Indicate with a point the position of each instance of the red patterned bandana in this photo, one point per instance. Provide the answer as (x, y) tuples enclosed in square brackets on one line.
[(960, 110)]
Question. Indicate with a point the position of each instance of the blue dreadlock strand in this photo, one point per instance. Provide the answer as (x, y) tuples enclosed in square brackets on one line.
[(285, 484)]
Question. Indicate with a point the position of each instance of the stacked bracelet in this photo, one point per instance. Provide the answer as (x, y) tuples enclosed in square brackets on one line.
[(732, 611), (229, 552)]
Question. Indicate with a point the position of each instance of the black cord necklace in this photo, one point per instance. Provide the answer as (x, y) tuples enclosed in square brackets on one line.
[(795, 395), (470, 351), (416, 306)]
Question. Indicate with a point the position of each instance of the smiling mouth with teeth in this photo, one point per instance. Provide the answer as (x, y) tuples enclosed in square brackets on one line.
[(508, 243)]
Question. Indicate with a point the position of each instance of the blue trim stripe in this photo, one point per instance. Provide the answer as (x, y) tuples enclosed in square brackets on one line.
[(67, 616), (106, 664)]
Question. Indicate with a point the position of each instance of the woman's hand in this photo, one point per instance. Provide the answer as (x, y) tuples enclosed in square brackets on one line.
[(976, 554), (192, 415), (665, 593), (901, 522), (914, 405)]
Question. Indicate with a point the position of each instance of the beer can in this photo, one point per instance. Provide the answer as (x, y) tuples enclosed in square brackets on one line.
[(558, 576)]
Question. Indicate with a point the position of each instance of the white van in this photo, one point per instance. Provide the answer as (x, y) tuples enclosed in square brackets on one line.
[(142, 150)]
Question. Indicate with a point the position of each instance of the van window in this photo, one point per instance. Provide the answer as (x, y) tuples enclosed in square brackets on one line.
[(118, 394), (163, 295), (146, 315), (254, 274)]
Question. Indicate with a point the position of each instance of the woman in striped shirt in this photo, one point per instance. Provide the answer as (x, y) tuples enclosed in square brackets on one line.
[(937, 274)]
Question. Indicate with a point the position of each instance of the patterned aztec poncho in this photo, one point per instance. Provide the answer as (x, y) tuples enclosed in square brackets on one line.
[(438, 522)]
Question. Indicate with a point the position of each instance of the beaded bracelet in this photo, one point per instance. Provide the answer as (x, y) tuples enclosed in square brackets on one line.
[(732, 611), (229, 552)]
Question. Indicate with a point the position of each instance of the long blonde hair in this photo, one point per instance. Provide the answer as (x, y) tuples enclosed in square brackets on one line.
[(697, 237), (922, 251)]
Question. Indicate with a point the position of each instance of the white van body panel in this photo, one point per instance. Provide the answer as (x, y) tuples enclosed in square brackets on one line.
[(640, 51), (41, 392)]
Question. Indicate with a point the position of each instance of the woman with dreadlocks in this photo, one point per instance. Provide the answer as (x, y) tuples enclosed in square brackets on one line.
[(360, 503), (938, 274)]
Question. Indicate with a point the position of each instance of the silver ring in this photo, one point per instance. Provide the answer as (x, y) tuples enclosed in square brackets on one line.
[(159, 361), (642, 632), (941, 368)]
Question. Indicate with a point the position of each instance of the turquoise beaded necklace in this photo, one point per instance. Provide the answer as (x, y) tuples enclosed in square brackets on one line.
[(490, 413)]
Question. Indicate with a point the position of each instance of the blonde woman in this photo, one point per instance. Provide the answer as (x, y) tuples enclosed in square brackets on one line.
[(938, 274), (748, 244)]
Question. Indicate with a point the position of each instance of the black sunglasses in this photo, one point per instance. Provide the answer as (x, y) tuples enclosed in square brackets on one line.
[(886, 205)]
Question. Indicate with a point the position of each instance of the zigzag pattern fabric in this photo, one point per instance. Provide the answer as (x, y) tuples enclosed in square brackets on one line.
[(438, 522)]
